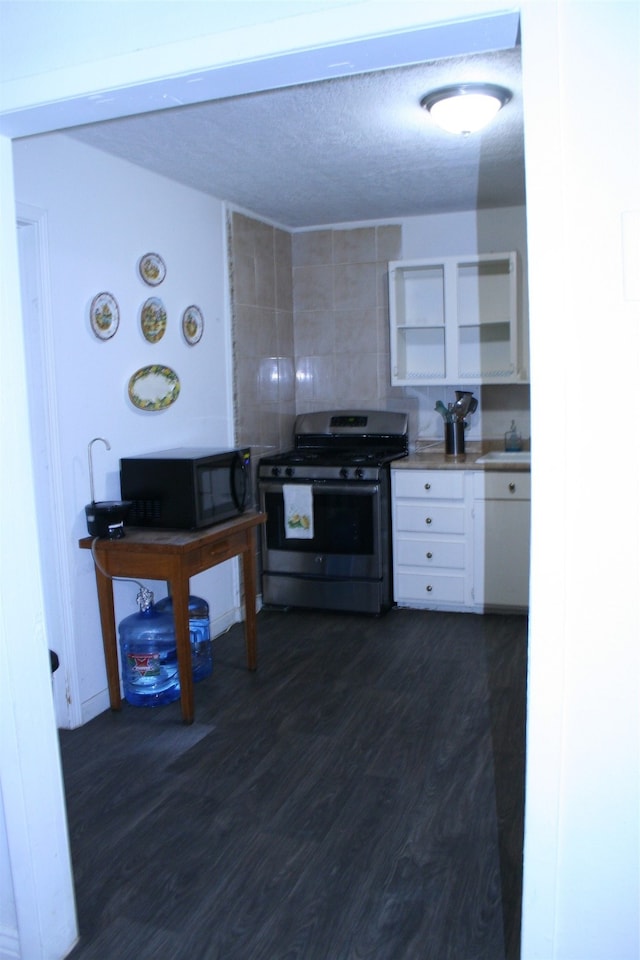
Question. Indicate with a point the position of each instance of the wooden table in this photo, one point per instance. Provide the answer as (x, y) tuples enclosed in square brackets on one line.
[(174, 556)]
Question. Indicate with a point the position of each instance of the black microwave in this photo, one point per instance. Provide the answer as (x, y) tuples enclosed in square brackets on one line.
[(186, 488)]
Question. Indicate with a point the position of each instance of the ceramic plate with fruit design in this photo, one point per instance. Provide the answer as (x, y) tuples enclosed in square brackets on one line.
[(192, 324)]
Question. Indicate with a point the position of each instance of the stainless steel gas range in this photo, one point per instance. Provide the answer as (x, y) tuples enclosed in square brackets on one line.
[(327, 540)]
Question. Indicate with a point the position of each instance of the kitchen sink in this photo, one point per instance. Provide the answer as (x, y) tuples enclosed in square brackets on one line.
[(506, 456)]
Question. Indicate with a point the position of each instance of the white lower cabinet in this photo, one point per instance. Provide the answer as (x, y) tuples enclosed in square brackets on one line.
[(502, 520), (461, 539), (432, 539)]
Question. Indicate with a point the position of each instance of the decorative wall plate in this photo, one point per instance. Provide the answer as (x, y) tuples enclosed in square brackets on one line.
[(153, 319), (104, 315), (154, 387), (192, 324), (152, 269)]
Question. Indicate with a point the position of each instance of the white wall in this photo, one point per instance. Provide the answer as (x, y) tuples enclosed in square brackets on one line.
[(582, 140), (473, 231), (102, 214)]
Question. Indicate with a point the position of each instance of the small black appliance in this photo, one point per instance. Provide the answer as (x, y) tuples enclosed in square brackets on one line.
[(105, 518), (186, 488)]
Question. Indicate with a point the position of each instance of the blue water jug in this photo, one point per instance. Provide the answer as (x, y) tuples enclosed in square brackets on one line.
[(148, 655), (201, 646)]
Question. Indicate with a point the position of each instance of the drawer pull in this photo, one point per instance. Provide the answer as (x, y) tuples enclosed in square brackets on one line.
[(427, 486), (222, 547), (429, 588), (512, 487), (428, 520), (429, 555)]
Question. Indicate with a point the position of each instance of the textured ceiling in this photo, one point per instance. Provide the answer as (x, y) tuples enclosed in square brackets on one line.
[(344, 150)]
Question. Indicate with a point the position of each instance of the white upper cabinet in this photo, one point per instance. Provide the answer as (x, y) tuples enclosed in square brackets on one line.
[(455, 320)]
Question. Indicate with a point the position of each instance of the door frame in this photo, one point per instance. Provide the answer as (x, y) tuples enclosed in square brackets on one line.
[(44, 421)]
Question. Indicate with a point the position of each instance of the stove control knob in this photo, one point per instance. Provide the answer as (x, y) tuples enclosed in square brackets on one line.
[(275, 471), (289, 471), (359, 473), (344, 473)]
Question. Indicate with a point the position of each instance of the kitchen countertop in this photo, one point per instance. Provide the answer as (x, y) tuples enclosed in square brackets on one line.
[(431, 456)]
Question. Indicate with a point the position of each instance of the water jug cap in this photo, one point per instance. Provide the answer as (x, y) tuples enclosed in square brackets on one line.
[(144, 599)]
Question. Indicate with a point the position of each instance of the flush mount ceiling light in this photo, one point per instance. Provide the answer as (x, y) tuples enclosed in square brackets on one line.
[(465, 107)]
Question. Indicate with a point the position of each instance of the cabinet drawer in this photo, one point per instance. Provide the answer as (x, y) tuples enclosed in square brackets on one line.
[(439, 484), (431, 553), (430, 588), (211, 554), (496, 485), (430, 518)]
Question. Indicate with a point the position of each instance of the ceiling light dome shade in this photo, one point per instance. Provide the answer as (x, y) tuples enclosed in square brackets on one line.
[(465, 107)]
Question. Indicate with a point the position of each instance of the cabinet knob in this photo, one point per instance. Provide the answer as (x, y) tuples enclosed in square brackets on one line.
[(512, 487), (427, 486), (429, 588), (429, 555), (428, 520)]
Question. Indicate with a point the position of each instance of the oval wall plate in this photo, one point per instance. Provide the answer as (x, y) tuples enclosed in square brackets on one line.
[(192, 324), (153, 319), (152, 269), (154, 387), (104, 315)]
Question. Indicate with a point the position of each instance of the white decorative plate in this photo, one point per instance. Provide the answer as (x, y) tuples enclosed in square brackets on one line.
[(152, 269), (192, 324), (104, 314), (154, 387), (153, 319)]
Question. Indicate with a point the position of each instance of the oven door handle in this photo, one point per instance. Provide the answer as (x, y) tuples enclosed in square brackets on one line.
[(361, 488)]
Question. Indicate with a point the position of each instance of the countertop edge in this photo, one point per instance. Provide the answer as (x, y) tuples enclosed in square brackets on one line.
[(435, 459)]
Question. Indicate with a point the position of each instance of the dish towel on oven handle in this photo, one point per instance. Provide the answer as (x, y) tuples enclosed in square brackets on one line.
[(298, 510)]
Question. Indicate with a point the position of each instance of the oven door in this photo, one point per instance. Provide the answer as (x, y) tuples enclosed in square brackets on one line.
[(347, 524)]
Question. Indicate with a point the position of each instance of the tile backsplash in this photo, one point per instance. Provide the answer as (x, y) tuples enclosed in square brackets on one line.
[(261, 287), (341, 317), (311, 332)]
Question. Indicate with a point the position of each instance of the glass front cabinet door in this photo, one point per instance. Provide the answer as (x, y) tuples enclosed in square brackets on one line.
[(455, 320)]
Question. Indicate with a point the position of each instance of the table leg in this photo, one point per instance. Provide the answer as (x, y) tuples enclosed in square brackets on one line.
[(179, 587), (249, 577), (109, 639)]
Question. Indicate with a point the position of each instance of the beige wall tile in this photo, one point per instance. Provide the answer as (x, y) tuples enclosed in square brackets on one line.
[(243, 230), (265, 282), (388, 243), (284, 327), (355, 331), (256, 332), (247, 380), (314, 332), (382, 287), (357, 379), (312, 247), (264, 385), (354, 286), (269, 385), (243, 279), (315, 379), (283, 268), (264, 241), (286, 380), (354, 246), (313, 287)]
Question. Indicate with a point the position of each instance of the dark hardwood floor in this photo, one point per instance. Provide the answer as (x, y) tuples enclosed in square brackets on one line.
[(360, 796)]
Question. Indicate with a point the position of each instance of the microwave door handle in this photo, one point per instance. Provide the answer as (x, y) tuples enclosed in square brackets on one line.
[(239, 501)]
